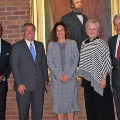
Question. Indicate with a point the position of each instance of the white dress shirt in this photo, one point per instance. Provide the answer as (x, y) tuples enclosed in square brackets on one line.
[(28, 44), (117, 44), (80, 17)]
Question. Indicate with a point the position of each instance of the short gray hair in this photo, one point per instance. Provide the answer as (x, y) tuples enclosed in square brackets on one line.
[(92, 21), (116, 16), (28, 24)]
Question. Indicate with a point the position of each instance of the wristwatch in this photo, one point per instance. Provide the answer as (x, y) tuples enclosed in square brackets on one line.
[(104, 77), (3, 77)]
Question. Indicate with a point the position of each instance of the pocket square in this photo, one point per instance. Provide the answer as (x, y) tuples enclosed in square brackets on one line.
[(7, 53)]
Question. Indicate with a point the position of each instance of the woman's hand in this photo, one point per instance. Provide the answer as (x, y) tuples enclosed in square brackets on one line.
[(102, 83), (64, 78)]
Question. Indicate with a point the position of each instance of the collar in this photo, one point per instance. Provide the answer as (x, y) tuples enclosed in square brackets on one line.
[(0, 41), (88, 40), (28, 43), (118, 35)]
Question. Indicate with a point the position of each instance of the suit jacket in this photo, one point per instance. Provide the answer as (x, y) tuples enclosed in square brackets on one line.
[(54, 59), (76, 28), (5, 68), (25, 71), (115, 63)]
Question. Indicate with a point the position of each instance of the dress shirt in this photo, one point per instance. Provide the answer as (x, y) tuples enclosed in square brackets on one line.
[(80, 17), (117, 44), (28, 44)]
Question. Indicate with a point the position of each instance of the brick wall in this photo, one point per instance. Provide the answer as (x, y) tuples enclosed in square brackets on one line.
[(13, 14)]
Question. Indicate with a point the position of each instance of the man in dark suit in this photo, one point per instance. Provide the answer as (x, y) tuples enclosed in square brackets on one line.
[(114, 45), (75, 21), (29, 68), (5, 70)]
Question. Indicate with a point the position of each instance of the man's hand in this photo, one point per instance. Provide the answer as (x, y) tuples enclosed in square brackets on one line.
[(21, 89), (1, 78)]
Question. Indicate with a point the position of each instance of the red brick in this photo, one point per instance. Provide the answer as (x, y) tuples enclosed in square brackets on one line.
[(12, 0), (22, 3), (25, 8), (19, 12), (20, 22), (5, 13), (4, 36), (12, 8), (6, 3), (18, 31), (2, 18), (14, 36), (13, 17), (2, 0), (2, 8), (13, 26), (8, 31), (24, 17)]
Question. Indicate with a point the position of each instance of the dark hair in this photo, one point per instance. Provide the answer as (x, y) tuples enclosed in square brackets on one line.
[(71, 1), (1, 27), (53, 36), (27, 24), (71, 4)]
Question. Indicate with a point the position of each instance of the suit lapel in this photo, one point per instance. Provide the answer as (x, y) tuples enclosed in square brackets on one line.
[(78, 24), (25, 47), (114, 45), (58, 54), (67, 48), (67, 51), (84, 20), (3, 51)]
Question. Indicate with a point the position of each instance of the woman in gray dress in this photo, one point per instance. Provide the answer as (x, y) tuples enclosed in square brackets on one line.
[(62, 59)]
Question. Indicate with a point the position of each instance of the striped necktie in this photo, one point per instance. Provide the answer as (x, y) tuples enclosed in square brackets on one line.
[(32, 52)]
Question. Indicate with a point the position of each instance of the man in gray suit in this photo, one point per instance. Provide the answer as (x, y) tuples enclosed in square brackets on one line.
[(114, 45), (75, 21), (29, 68)]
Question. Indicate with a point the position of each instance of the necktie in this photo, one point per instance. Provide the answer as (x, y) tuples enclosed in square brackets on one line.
[(32, 52), (118, 52)]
